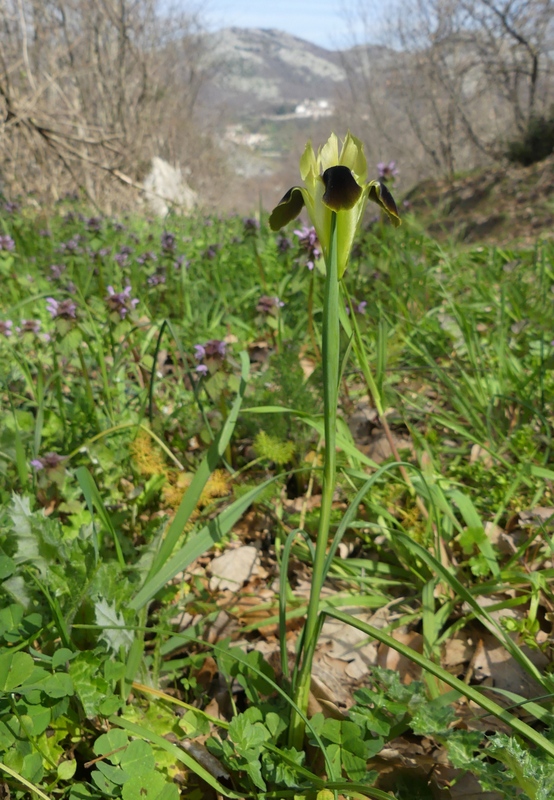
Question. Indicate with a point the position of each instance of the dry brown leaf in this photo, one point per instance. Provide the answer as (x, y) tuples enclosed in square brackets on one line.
[(458, 650)]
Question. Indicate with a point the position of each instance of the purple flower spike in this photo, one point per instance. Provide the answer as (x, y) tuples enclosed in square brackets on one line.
[(199, 352), (168, 242), (94, 224), (283, 244), (215, 348), (56, 271), (388, 171), (269, 305), (29, 326), (120, 302), (48, 461), (64, 309), (6, 327), (202, 369), (308, 242), (7, 243), (251, 225), (361, 307)]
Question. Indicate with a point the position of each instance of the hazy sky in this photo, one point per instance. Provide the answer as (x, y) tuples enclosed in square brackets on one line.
[(320, 21)]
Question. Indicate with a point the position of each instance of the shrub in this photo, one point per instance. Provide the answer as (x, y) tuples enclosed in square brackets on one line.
[(535, 144)]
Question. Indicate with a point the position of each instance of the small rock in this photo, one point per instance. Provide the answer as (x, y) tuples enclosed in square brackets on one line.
[(232, 569)]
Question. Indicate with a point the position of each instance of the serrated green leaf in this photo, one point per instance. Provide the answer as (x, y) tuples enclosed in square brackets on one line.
[(90, 685), (253, 767), (194, 724), (247, 735), (113, 626)]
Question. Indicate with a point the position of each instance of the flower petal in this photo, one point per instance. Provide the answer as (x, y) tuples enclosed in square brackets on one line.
[(352, 156), (342, 192), (308, 162), (379, 193), (287, 209), (328, 155)]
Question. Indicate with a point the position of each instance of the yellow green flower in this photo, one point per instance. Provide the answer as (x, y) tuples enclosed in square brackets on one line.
[(334, 182)]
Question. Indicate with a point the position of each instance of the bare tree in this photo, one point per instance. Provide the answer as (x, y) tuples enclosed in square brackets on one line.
[(94, 88), (453, 78)]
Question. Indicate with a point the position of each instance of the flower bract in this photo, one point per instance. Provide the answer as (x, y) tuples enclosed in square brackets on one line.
[(334, 181)]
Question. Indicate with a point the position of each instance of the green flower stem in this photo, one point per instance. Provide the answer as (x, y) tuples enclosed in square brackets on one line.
[(331, 362)]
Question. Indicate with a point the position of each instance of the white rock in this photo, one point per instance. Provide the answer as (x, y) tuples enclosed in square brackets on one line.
[(165, 189), (233, 568)]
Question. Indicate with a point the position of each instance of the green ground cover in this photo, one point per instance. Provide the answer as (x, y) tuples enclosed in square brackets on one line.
[(161, 398)]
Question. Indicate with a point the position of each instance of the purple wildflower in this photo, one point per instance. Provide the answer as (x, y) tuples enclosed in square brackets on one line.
[(283, 244), (215, 348), (179, 261), (148, 256), (45, 233), (11, 208), (48, 461), (168, 242), (7, 243), (157, 278), (118, 226), (94, 224), (102, 253), (211, 252), (269, 305), (251, 225), (71, 246), (56, 271), (6, 327), (61, 309), (121, 259), (125, 250), (388, 171), (199, 352), (29, 326), (120, 302), (308, 241), (359, 308)]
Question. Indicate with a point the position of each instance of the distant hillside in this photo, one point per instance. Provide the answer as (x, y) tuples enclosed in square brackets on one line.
[(270, 72)]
